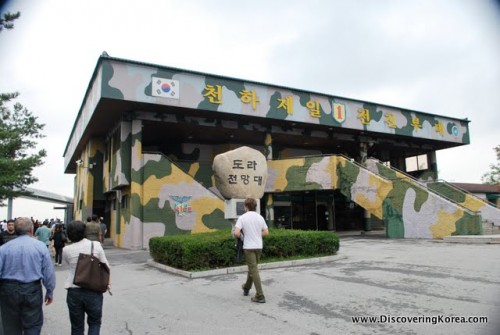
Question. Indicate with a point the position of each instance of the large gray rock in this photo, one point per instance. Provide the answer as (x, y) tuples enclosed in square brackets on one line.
[(240, 173)]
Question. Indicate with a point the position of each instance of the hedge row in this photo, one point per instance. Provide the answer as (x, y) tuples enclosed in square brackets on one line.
[(218, 249)]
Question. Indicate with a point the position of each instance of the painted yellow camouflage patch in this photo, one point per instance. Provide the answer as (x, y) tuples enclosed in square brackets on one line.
[(205, 206), (473, 203), (445, 224), (282, 166), (375, 206)]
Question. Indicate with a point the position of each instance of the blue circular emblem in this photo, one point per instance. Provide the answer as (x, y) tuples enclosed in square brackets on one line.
[(454, 130)]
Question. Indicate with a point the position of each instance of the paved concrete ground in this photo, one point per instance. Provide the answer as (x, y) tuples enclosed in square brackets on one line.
[(379, 277)]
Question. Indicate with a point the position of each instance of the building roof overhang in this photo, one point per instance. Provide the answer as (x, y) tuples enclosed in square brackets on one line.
[(119, 89)]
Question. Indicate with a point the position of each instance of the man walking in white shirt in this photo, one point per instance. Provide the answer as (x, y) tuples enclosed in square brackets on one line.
[(252, 226)]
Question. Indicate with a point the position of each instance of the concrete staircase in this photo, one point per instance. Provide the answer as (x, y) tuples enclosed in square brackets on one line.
[(490, 214), (473, 239), (489, 228)]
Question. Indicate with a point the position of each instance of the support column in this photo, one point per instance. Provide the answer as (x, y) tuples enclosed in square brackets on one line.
[(367, 220), (363, 154), (118, 219), (270, 210), (331, 216), (268, 144), (9, 208), (137, 185), (432, 164)]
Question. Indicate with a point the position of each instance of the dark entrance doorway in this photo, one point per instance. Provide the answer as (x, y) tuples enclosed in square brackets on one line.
[(348, 215), (317, 210)]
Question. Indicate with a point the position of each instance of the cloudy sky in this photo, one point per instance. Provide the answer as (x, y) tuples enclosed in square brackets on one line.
[(435, 56)]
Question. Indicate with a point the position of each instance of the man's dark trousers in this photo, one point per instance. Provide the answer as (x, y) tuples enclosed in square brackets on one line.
[(21, 307)]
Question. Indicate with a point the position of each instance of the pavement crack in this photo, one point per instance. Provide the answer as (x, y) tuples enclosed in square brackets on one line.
[(303, 304), (396, 288), (423, 271), (127, 329)]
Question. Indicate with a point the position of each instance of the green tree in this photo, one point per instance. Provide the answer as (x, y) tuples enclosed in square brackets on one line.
[(493, 177), (6, 22), (19, 130)]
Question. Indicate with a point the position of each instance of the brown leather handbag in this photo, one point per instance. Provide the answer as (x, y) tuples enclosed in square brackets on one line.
[(91, 273)]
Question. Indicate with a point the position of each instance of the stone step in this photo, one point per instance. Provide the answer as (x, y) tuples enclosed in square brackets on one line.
[(473, 239), (490, 229)]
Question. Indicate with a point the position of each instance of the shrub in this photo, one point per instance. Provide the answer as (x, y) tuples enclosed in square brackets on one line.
[(218, 249)]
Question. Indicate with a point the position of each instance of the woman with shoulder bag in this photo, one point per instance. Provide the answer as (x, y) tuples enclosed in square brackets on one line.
[(82, 301)]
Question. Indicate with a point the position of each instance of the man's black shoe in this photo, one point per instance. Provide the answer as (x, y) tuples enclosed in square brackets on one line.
[(245, 291)]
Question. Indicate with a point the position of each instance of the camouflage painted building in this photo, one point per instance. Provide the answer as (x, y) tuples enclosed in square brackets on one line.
[(145, 137)]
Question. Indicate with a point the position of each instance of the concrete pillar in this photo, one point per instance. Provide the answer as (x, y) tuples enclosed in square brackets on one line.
[(367, 221), (132, 132), (432, 164), (9, 208), (331, 216), (268, 143), (270, 210), (363, 155)]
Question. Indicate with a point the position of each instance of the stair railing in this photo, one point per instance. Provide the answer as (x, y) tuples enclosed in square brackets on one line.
[(461, 190), (422, 183)]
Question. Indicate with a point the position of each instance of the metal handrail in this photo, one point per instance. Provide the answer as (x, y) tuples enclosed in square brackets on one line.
[(461, 190), (421, 183), (399, 171), (425, 182), (417, 183)]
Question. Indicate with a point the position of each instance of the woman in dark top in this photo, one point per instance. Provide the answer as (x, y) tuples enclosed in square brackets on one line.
[(59, 239)]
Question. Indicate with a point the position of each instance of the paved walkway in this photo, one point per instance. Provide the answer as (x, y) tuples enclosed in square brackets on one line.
[(379, 277)]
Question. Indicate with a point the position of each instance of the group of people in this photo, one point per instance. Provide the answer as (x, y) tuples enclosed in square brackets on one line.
[(96, 229), (26, 264), (43, 231)]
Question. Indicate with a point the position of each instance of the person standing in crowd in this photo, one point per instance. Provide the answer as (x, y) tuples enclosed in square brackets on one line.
[(24, 265), (5, 236), (59, 239), (82, 301), (43, 234), (93, 229), (8, 234), (252, 226), (104, 229), (36, 225)]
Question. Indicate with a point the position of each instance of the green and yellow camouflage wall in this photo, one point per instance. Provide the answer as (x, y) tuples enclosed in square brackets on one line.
[(408, 210), (88, 181), (488, 212), (164, 199), (118, 158), (155, 196)]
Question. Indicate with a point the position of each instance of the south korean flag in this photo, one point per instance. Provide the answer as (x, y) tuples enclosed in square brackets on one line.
[(165, 88)]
